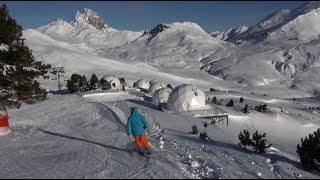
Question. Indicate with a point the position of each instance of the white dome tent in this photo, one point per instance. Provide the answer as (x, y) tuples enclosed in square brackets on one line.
[(155, 86), (114, 82), (143, 84), (186, 97), (161, 95), (109, 77)]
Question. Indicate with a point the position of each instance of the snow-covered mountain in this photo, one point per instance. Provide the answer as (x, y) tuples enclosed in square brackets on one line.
[(297, 24), (176, 44), (87, 16), (284, 49), (229, 34), (87, 30)]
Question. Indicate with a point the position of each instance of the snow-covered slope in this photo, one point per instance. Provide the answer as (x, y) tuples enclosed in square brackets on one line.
[(177, 44), (69, 136), (281, 50), (83, 135), (229, 34), (300, 23)]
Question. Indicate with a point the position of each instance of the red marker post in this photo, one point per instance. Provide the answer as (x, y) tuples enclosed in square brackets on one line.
[(4, 121)]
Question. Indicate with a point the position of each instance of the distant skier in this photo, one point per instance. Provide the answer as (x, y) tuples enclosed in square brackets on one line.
[(136, 124)]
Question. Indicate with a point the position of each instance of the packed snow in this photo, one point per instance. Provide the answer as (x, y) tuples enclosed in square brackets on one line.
[(83, 135)]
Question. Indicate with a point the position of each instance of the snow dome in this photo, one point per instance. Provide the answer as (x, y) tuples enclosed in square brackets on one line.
[(143, 84), (155, 86), (161, 95), (186, 97), (114, 81)]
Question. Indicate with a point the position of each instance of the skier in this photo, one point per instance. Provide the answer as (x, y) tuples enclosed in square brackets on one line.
[(136, 124)]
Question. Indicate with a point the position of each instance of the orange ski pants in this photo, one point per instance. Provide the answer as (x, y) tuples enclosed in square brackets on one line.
[(141, 141)]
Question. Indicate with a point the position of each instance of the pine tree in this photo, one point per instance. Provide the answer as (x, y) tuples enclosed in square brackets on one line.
[(230, 103), (259, 142), (246, 109), (74, 83), (203, 135), (241, 100), (105, 85), (214, 100), (84, 85), (94, 82), (264, 108), (309, 151), (245, 139), (194, 130), (19, 69)]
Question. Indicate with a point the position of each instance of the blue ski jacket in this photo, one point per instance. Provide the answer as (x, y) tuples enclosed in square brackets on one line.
[(136, 123)]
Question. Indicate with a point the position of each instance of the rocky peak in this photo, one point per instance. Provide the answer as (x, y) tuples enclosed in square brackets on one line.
[(158, 29), (88, 16)]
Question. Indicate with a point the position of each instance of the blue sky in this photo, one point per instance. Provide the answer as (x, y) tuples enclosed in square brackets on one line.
[(141, 15)]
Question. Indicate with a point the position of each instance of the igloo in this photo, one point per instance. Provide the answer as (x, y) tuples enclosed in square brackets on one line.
[(113, 81)]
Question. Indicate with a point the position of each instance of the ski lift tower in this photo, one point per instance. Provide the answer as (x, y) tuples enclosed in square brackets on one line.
[(59, 73)]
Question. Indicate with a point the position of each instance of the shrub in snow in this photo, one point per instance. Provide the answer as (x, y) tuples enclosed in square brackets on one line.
[(230, 103), (214, 100), (203, 135), (211, 89), (246, 109), (259, 142), (194, 130), (241, 100), (105, 85), (262, 108), (245, 139), (73, 84), (94, 82), (309, 151)]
